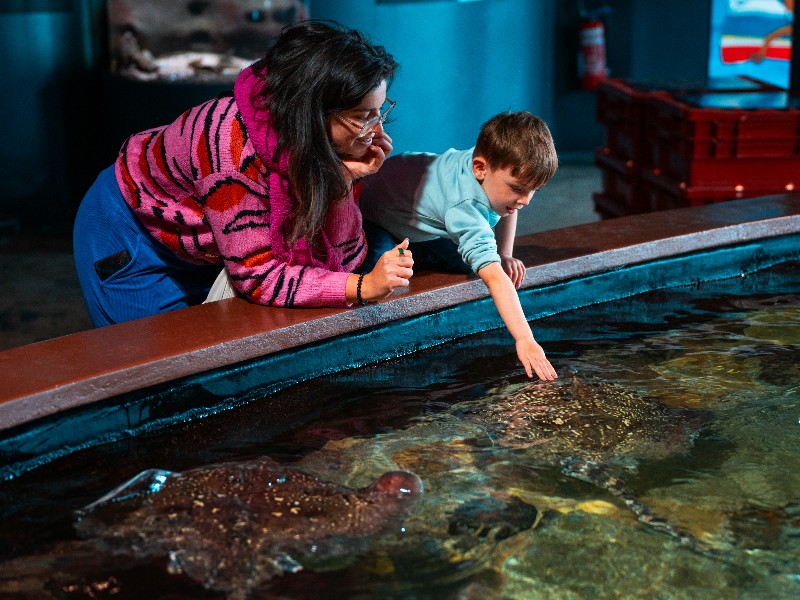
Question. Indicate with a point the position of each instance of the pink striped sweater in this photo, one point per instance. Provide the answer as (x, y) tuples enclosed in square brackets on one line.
[(204, 187)]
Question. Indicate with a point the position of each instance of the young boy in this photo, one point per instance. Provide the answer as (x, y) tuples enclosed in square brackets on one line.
[(448, 205)]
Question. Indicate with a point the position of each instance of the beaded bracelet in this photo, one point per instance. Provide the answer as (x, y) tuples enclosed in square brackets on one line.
[(359, 299)]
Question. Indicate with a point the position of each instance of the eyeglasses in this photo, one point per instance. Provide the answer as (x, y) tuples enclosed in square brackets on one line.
[(367, 126)]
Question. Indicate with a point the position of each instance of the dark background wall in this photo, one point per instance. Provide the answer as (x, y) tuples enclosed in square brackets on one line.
[(647, 40), (461, 63), (49, 105), (64, 116)]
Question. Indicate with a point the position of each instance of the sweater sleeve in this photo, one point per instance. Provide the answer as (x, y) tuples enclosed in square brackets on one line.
[(468, 225), (238, 212)]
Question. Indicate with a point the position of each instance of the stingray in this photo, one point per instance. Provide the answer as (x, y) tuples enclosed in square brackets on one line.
[(232, 526), (593, 431)]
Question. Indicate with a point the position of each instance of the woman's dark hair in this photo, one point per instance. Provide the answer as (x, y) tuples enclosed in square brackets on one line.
[(314, 69)]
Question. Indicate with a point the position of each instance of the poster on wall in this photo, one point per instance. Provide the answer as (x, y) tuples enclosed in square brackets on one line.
[(752, 38)]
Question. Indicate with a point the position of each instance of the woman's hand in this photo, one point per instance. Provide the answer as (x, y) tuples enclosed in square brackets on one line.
[(372, 160), (514, 268), (393, 270)]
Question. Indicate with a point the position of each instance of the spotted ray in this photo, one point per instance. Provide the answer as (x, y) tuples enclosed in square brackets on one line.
[(232, 526), (594, 431)]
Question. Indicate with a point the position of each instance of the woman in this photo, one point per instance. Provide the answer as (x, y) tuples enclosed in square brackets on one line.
[(260, 182)]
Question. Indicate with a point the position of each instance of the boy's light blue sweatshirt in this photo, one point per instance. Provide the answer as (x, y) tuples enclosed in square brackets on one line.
[(422, 196)]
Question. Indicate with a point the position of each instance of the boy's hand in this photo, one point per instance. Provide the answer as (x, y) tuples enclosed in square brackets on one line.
[(532, 357), (514, 268), (372, 160)]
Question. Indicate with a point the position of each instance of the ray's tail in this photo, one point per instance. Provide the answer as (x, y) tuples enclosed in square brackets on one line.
[(599, 476)]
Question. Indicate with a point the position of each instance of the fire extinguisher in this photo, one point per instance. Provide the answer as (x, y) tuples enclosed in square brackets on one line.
[(592, 56)]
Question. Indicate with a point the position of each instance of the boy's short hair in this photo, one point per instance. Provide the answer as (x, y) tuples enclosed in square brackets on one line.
[(520, 142)]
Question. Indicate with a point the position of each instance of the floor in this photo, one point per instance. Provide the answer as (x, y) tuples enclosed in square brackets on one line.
[(42, 300)]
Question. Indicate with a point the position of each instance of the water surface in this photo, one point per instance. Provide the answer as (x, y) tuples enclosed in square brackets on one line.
[(494, 521)]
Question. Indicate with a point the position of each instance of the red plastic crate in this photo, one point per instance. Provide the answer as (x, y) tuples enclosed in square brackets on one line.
[(712, 146), (661, 193), (620, 102), (727, 173), (622, 107), (621, 186), (742, 124), (687, 145)]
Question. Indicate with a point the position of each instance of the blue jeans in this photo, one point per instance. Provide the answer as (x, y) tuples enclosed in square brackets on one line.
[(124, 273), (440, 254)]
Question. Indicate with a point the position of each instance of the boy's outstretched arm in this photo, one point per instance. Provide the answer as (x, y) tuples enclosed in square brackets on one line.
[(505, 232), (505, 298)]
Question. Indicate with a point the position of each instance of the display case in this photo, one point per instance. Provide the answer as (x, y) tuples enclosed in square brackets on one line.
[(194, 40)]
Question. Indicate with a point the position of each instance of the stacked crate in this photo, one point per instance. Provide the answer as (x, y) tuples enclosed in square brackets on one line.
[(683, 145), (620, 108)]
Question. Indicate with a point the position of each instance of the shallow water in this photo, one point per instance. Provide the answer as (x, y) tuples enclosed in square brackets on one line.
[(498, 520)]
